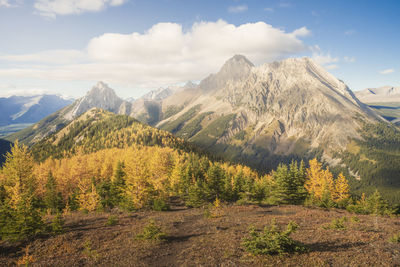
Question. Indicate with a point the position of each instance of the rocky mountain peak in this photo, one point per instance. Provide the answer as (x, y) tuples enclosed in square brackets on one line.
[(235, 69), (100, 96)]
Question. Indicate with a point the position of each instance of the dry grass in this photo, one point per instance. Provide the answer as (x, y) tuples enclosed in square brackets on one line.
[(192, 239)]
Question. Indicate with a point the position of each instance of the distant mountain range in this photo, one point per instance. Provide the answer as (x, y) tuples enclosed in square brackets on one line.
[(385, 94), (260, 116), (281, 108), (384, 100), (29, 109)]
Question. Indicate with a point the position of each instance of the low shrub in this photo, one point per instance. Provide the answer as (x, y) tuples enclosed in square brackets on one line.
[(337, 224), (151, 231), (272, 240), (395, 238), (112, 220)]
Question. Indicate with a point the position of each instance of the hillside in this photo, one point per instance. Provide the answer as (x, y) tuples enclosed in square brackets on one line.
[(193, 239), (98, 129)]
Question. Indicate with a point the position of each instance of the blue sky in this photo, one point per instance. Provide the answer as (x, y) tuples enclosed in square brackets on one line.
[(66, 46)]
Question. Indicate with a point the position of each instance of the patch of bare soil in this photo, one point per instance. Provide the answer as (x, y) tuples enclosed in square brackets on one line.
[(196, 240)]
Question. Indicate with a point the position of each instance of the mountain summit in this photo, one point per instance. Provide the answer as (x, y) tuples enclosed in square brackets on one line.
[(290, 107), (100, 96)]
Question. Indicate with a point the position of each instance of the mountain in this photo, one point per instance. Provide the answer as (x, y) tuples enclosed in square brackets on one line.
[(29, 109), (384, 100), (98, 129), (147, 108), (258, 114), (385, 94), (100, 96)]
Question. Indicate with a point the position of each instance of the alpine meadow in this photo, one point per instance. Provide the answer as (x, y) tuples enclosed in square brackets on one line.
[(180, 133)]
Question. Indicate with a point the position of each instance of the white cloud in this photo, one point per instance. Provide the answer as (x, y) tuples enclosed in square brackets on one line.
[(269, 9), (324, 59), (10, 3), (387, 71), (165, 54), (237, 9), (52, 8), (349, 59), (50, 56), (5, 3), (301, 32)]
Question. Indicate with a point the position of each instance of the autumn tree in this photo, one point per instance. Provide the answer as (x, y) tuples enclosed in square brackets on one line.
[(20, 217), (341, 193)]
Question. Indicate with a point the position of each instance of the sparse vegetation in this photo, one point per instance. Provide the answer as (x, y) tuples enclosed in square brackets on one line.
[(151, 231), (194, 239), (395, 238), (57, 225), (112, 220), (337, 224)]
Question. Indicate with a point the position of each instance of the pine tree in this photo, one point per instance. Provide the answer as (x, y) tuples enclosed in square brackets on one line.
[(289, 183), (52, 198), (376, 204), (215, 182)]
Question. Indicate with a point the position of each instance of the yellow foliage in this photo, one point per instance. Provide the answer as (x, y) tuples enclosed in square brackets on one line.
[(321, 181), (88, 199), (341, 189)]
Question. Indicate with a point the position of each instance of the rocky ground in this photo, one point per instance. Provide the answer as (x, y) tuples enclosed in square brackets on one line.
[(194, 239)]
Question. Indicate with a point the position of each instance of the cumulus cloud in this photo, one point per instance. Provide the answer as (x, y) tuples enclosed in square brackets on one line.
[(167, 54), (387, 71), (237, 9), (52, 8)]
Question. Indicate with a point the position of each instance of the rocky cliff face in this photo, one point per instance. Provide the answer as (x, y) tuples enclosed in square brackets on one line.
[(291, 106)]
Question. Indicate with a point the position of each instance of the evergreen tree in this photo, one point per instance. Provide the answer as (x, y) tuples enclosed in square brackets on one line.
[(376, 204), (52, 199), (215, 182)]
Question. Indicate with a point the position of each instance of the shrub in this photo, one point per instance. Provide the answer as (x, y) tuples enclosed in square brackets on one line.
[(26, 259), (57, 225), (151, 231), (112, 220), (395, 238), (159, 204), (337, 224), (272, 240)]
